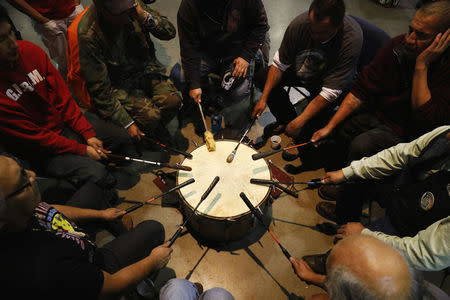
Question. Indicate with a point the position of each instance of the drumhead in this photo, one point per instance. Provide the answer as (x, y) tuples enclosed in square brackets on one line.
[(224, 200)]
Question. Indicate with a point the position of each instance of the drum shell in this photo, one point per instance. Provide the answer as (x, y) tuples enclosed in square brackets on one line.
[(220, 229)]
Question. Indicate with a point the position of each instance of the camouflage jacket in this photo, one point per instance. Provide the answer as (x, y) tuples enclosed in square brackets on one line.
[(113, 61)]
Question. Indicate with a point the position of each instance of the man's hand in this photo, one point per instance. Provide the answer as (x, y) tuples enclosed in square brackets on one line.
[(161, 255), (334, 177), (349, 229), (304, 271), (135, 132), (436, 48), (98, 146), (196, 95), (259, 108), (139, 14), (240, 67), (293, 128), (92, 153), (320, 135), (111, 214)]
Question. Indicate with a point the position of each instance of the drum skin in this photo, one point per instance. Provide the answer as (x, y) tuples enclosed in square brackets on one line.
[(223, 216)]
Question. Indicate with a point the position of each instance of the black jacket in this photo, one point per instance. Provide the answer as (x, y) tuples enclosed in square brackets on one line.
[(224, 29)]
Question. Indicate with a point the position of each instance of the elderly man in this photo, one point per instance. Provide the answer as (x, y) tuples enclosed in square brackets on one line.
[(113, 69), (319, 51), (41, 122), (362, 267), (402, 93)]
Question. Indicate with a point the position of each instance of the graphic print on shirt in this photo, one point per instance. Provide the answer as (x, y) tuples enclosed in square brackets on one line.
[(310, 65), (17, 89), (49, 219)]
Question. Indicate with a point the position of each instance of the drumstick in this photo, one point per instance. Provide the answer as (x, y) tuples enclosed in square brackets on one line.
[(188, 155), (209, 138), (134, 207), (277, 184), (203, 197), (233, 153), (192, 180), (163, 165), (269, 153), (259, 216), (314, 182)]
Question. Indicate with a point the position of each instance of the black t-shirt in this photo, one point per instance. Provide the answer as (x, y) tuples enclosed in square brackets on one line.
[(50, 260)]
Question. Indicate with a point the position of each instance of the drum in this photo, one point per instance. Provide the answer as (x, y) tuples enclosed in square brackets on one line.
[(223, 215)]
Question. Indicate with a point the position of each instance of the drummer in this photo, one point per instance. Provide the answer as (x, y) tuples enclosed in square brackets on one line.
[(37, 233), (40, 121)]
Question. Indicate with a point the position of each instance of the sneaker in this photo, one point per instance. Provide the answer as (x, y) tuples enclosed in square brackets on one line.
[(327, 210), (330, 192), (317, 262), (273, 129)]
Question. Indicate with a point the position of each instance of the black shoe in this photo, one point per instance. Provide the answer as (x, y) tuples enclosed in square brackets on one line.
[(327, 210), (273, 129), (291, 154), (317, 262), (330, 192), (293, 169)]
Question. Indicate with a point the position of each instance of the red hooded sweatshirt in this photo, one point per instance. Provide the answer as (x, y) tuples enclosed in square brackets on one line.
[(35, 106)]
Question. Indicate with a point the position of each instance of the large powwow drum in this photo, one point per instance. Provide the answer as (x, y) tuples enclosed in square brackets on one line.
[(223, 216)]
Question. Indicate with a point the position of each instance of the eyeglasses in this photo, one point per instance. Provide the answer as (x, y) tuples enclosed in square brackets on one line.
[(419, 35), (23, 178)]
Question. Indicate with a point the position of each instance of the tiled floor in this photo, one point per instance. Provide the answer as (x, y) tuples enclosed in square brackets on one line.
[(259, 271)]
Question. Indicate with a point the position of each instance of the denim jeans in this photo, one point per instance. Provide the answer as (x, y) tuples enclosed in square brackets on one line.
[(182, 289), (210, 65)]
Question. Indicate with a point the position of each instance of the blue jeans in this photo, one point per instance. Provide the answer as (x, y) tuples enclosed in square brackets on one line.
[(182, 289), (210, 65)]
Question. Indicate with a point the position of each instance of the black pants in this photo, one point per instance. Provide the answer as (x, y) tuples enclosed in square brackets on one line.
[(80, 169), (91, 196), (283, 110), (130, 247)]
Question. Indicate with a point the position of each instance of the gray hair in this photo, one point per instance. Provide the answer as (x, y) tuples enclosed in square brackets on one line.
[(440, 9), (341, 284)]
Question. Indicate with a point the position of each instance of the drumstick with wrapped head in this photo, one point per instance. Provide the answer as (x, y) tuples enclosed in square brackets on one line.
[(156, 163), (203, 197), (259, 216), (233, 153), (209, 137)]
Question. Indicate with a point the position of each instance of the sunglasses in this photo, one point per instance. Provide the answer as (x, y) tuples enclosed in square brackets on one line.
[(23, 178)]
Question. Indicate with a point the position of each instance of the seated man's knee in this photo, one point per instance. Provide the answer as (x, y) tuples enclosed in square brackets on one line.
[(360, 146), (97, 173), (173, 101), (177, 288), (152, 229), (177, 76)]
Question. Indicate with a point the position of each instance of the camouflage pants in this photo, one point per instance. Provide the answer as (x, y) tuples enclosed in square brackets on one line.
[(148, 113)]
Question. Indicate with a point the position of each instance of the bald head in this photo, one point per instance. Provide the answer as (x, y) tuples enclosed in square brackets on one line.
[(362, 267)]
